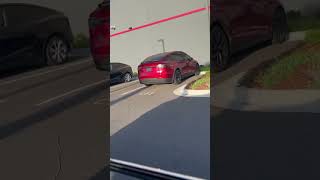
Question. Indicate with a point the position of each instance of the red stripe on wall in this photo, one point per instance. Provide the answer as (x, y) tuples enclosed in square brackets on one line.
[(160, 21)]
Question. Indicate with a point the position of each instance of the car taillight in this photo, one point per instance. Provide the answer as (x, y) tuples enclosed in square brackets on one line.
[(161, 66)]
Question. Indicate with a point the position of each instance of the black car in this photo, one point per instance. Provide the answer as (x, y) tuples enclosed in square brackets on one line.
[(33, 31), (120, 72)]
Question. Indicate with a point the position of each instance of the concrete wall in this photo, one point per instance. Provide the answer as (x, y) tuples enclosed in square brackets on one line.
[(77, 11), (189, 34)]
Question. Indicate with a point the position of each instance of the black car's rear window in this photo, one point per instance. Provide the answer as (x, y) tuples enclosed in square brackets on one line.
[(153, 58)]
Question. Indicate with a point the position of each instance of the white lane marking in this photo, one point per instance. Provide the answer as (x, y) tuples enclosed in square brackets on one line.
[(117, 88), (70, 92), (133, 90), (42, 73), (146, 93), (101, 101)]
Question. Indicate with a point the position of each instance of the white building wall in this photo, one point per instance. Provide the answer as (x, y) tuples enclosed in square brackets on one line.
[(189, 33)]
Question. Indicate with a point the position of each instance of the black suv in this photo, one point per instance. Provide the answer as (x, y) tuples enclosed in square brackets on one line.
[(33, 31)]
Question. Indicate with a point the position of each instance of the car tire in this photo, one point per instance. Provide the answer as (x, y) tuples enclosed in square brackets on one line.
[(177, 78), (280, 29), (126, 77), (219, 49), (197, 73), (56, 51)]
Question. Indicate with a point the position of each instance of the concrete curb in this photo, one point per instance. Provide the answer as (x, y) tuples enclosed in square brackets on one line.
[(231, 96), (182, 91)]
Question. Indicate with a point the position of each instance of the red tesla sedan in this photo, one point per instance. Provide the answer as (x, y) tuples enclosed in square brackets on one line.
[(99, 24), (239, 25), (169, 67)]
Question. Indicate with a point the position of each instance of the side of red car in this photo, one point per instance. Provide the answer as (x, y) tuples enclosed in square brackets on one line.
[(99, 27), (170, 67), (238, 25)]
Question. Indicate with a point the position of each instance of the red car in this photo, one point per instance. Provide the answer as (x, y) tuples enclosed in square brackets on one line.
[(237, 25), (99, 25), (169, 67)]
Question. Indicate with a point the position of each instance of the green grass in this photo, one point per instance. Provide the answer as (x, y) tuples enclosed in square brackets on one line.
[(81, 41), (284, 67), (205, 79), (205, 68), (303, 23), (316, 85), (313, 36)]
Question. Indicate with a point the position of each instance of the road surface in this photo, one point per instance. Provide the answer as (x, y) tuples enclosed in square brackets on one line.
[(52, 125), (259, 145), (153, 127)]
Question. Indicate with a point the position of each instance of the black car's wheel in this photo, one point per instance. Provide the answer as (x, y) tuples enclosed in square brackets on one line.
[(56, 51), (280, 30), (197, 70), (177, 78), (219, 49), (126, 77)]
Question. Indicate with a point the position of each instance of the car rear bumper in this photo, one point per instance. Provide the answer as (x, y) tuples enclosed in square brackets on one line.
[(155, 81)]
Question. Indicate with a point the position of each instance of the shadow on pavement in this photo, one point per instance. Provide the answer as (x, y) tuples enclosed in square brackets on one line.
[(175, 136), (127, 96), (8, 70), (265, 145), (43, 82), (101, 175), (46, 113)]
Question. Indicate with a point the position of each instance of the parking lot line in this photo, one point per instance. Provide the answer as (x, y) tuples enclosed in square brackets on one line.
[(42, 73), (132, 90), (101, 101), (70, 92)]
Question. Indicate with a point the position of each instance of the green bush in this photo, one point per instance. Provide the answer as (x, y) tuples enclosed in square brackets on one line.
[(81, 41), (313, 36)]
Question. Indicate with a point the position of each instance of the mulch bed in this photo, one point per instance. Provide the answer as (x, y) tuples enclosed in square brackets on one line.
[(302, 78)]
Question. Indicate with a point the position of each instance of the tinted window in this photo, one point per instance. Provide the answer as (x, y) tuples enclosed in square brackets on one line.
[(115, 66), (186, 56), (22, 14), (157, 57), (176, 57)]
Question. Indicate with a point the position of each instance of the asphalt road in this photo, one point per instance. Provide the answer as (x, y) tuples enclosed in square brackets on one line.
[(153, 127), (259, 145), (52, 122)]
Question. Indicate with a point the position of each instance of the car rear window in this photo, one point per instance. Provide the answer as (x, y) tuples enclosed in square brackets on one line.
[(153, 58)]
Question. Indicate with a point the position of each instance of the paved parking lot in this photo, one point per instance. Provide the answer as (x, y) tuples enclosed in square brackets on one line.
[(52, 122), (263, 145), (152, 126)]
